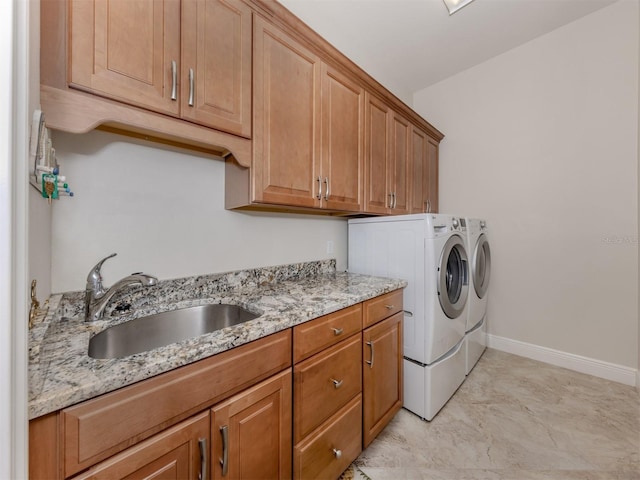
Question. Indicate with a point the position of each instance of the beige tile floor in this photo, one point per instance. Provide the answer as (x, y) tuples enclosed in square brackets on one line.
[(515, 419)]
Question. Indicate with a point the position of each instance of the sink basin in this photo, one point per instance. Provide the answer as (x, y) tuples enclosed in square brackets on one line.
[(146, 333)]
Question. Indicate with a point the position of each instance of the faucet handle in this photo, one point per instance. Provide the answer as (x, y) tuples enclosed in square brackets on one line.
[(94, 279)]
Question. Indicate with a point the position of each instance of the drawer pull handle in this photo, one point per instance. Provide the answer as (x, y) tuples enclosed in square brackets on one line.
[(337, 383), (337, 453), (390, 307), (202, 443), (319, 196), (224, 461), (370, 362), (408, 313), (337, 331)]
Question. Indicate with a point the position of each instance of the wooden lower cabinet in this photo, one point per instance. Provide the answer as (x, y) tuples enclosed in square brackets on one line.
[(382, 375), (251, 432), (177, 453), (330, 449), (242, 414)]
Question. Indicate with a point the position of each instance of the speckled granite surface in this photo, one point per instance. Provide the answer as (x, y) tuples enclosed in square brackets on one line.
[(62, 374)]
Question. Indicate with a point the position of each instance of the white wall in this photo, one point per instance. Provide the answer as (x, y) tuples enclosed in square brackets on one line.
[(542, 141), (162, 211)]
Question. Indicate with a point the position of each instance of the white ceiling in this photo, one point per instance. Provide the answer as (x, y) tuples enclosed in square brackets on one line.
[(408, 45)]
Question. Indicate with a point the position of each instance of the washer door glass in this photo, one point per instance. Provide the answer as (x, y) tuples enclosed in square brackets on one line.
[(481, 266), (453, 284)]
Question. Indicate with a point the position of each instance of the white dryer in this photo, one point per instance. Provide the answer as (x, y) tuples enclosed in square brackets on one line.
[(479, 274), (429, 252)]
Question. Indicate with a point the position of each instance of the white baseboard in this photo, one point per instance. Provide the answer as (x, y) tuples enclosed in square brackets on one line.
[(590, 366)]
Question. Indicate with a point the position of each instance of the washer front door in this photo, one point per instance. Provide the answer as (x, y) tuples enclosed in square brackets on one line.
[(481, 266), (453, 277)]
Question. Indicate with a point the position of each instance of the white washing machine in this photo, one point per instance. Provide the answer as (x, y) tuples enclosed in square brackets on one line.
[(479, 275), (429, 252)]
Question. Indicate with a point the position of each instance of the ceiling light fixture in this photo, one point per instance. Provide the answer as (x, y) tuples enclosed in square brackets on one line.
[(454, 5)]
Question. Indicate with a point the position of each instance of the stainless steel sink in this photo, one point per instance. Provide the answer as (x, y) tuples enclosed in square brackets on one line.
[(146, 333)]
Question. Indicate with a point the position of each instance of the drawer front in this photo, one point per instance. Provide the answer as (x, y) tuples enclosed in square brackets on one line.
[(332, 447), (324, 383), (316, 335), (99, 428), (382, 307)]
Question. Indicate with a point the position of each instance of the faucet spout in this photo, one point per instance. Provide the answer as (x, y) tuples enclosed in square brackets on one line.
[(97, 297)]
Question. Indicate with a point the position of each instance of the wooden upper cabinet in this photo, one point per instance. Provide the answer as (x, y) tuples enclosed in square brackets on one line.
[(341, 174), (399, 181), (286, 144), (189, 58), (377, 154), (216, 64), (420, 202), (424, 157), (432, 151), (387, 162), (125, 49)]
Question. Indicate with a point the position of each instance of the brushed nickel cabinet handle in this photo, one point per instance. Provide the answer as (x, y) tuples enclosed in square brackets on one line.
[(390, 307), (326, 191), (337, 383), (428, 206), (174, 80), (391, 200), (202, 443), (224, 461), (319, 195), (370, 362), (337, 453), (337, 331), (395, 200), (191, 87)]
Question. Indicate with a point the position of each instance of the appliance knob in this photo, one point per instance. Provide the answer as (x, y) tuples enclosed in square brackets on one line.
[(455, 223)]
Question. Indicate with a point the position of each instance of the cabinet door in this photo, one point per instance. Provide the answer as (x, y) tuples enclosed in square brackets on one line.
[(420, 202), (177, 453), (399, 181), (382, 375), (377, 152), (251, 432), (216, 64), (126, 49), (286, 139), (432, 151), (342, 141)]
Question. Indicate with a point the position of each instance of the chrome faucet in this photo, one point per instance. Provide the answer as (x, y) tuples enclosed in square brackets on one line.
[(96, 297)]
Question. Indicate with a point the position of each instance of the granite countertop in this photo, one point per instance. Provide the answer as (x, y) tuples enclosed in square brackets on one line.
[(62, 374)]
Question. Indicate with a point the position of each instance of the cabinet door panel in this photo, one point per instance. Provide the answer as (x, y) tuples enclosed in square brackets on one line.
[(258, 423), (401, 135), (420, 172), (286, 119), (382, 377), (377, 151), (123, 49), (432, 150), (342, 135), (170, 455), (216, 47)]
